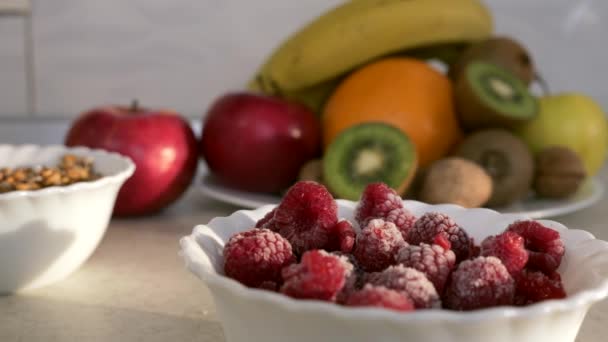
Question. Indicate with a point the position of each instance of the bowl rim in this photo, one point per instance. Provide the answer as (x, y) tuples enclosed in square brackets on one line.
[(126, 171), (581, 299)]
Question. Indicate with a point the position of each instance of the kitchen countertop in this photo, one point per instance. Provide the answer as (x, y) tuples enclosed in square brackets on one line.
[(135, 286)]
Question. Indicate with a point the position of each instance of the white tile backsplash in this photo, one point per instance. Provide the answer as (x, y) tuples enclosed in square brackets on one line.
[(183, 53), (13, 94), (179, 54), (14, 6)]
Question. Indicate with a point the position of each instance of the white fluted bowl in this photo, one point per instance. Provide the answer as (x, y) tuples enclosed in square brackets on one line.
[(47, 234), (256, 315)]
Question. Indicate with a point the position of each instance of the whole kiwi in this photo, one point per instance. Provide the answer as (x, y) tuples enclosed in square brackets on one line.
[(312, 171), (506, 158), (457, 181), (502, 51)]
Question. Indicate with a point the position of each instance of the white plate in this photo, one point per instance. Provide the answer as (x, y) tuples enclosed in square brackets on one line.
[(589, 193)]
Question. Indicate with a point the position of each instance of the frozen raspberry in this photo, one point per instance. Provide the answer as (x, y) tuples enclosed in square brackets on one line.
[(480, 283), (269, 285), (354, 280), (442, 240), (351, 259), (264, 220), (306, 217), (352, 277), (432, 260), (475, 251), (429, 225), (377, 245), (377, 200), (509, 248), (410, 281), (343, 237), (380, 201), (403, 219), (533, 287), (319, 275), (255, 257), (380, 296), (544, 245)]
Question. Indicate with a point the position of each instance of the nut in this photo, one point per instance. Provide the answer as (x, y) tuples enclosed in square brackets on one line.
[(27, 186), (71, 169), (559, 172), (68, 160), (5, 187)]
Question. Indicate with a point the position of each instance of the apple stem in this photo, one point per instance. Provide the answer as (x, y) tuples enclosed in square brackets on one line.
[(542, 83), (134, 105)]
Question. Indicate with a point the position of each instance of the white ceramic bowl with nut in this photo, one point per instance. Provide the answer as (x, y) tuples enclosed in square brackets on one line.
[(47, 234), (257, 315)]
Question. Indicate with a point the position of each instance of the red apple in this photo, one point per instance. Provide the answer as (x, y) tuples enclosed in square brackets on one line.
[(161, 144), (258, 143)]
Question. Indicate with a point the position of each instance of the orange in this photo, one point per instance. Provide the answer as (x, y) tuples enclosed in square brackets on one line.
[(404, 92)]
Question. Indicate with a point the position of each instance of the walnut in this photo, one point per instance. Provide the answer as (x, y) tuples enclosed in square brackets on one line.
[(559, 172)]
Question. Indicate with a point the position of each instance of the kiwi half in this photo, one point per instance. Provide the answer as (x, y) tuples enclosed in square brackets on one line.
[(368, 153), (503, 51), (506, 158), (490, 96)]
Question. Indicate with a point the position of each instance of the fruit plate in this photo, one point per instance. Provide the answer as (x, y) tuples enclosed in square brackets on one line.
[(588, 194)]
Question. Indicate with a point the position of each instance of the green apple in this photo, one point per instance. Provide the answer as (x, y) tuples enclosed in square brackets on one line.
[(571, 120)]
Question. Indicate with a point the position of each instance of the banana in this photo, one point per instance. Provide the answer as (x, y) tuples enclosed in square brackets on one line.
[(313, 97), (446, 53), (360, 31)]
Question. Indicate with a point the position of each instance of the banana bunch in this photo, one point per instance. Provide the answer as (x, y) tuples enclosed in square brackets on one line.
[(309, 65)]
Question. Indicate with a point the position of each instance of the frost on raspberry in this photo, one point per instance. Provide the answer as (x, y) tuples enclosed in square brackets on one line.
[(354, 280), (306, 217), (342, 237), (377, 244), (256, 257), (432, 260), (533, 287), (479, 283), (380, 296), (380, 201), (545, 246), (319, 275), (351, 259), (431, 224), (409, 281), (509, 248)]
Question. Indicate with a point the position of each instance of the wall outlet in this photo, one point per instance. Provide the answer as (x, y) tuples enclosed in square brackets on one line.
[(15, 7)]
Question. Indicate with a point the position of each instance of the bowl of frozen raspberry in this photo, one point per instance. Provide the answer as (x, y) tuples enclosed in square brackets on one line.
[(314, 268)]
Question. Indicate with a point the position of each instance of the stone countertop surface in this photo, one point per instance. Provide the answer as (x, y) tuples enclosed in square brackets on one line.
[(135, 287)]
